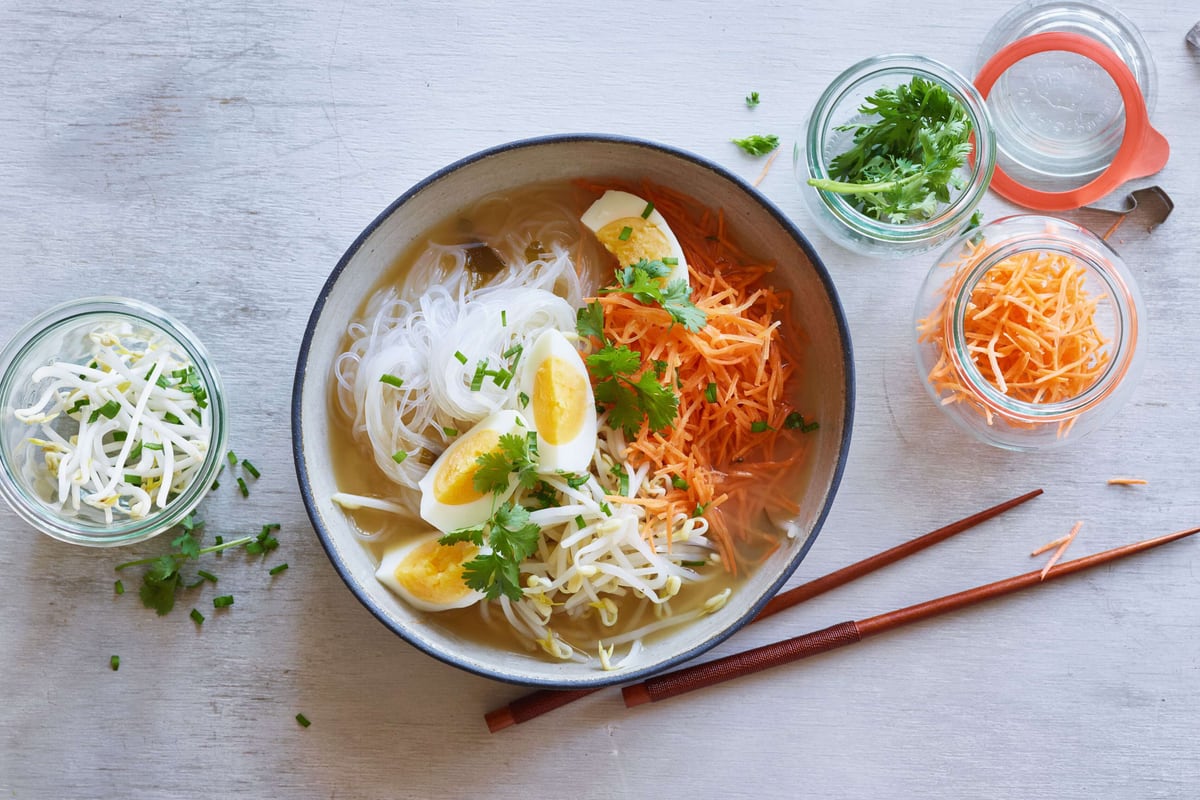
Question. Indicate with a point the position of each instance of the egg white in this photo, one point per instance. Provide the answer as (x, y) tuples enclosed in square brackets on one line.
[(568, 402), (614, 205), (413, 573)]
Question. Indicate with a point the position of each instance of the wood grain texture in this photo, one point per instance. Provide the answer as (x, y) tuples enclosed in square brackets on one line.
[(216, 159)]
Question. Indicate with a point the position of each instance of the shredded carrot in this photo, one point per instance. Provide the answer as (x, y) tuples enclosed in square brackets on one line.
[(766, 167), (1062, 543), (1127, 482), (1030, 329), (734, 470)]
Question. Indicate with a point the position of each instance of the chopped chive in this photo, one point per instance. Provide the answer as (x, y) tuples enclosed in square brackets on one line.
[(606, 508), (152, 445), (531, 440), (115, 663), (271, 526), (303, 720), (220, 540), (501, 377), (232, 458), (80, 403), (477, 378), (515, 350), (120, 436), (216, 485), (794, 421), (133, 480), (710, 393), (625, 233), (700, 509), (255, 548), (758, 426), (523, 399), (449, 431), (171, 418), (810, 427), (197, 617), (245, 490), (461, 358), (206, 575), (108, 410), (399, 456), (678, 482), (647, 210), (119, 587), (277, 569), (391, 380), (224, 601), (253, 470), (136, 451), (671, 261), (579, 521), (693, 563), (503, 318)]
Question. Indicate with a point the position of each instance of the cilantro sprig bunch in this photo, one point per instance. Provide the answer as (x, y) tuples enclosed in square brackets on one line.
[(904, 163), (507, 535)]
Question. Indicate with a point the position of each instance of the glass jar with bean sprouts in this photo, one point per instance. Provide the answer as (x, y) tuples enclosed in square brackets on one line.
[(112, 422)]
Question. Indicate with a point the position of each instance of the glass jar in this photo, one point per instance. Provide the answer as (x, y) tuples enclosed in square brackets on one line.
[(1059, 117), (68, 334), (1028, 332), (838, 107)]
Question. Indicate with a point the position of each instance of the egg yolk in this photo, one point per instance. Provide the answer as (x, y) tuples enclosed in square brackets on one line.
[(559, 400), (645, 240), (433, 572), (454, 484)]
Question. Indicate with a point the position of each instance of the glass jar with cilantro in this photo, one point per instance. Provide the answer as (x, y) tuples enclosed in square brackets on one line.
[(898, 153)]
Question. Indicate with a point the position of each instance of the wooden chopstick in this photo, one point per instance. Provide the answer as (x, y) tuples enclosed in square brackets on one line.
[(689, 679), (535, 704)]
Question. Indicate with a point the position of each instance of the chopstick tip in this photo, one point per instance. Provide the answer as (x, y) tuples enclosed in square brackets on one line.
[(635, 695)]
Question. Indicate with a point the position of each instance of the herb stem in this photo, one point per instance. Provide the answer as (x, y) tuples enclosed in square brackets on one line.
[(216, 548)]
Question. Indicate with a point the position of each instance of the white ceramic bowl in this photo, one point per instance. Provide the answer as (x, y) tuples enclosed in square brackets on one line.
[(828, 383)]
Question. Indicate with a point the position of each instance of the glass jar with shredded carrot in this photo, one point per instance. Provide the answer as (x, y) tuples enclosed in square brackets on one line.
[(1029, 332)]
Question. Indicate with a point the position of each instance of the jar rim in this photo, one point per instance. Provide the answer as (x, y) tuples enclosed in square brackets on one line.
[(1082, 250), (43, 516), (981, 162)]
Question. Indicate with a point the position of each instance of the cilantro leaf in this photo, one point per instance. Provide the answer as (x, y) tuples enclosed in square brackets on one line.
[(492, 472), (512, 538), (677, 300), (752, 99), (658, 402), (903, 165), (757, 145), (187, 545), (623, 409), (614, 360), (589, 321), (160, 583), (474, 535)]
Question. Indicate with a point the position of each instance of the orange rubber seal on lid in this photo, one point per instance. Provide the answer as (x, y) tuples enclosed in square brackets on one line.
[(1143, 150)]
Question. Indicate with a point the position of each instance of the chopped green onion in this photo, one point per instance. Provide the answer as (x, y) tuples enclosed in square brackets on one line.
[(278, 569), (501, 377), (391, 380), (253, 470), (208, 576), (579, 521), (115, 663), (171, 418), (693, 563), (531, 439), (606, 508), (245, 490), (758, 426), (647, 210), (449, 431), (399, 456), (810, 427), (700, 509), (461, 358), (503, 318), (794, 421), (80, 403), (515, 350), (231, 457), (216, 485), (255, 548), (477, 378), (152, 445), (220, 540), (678, 482), (303, 720), (120, 436), (523, 399), (133, 480), (197, 617), (671, 261), (710, 393), (224, 601), (119, 587), (136, 451), (108, 410), (625, 233)]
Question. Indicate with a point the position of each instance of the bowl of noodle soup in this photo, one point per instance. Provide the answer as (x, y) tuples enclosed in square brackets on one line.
[(572, 409)]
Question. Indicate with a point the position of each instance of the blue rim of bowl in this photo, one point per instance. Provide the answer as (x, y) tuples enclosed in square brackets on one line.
[(601, 679)]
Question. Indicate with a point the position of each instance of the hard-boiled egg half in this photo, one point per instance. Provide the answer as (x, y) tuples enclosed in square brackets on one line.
[(427, 574), (561, 403), (632, 229), (449, 499)]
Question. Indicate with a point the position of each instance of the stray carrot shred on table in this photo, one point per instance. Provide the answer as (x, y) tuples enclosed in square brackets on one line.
[(1062, 544), (1030, 330), (718, 459), (1127, 482)]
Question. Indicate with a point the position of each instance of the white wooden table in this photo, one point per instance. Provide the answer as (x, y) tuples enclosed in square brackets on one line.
[(216, 159)]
